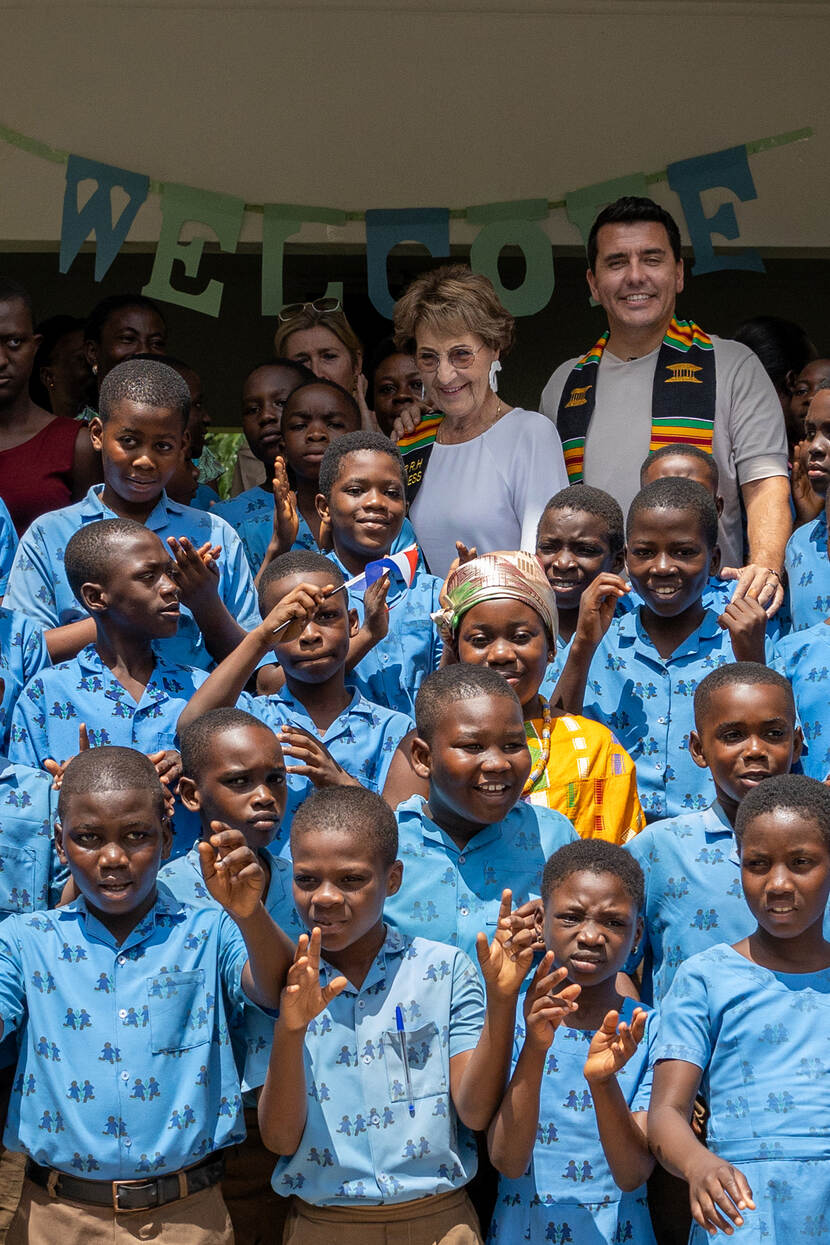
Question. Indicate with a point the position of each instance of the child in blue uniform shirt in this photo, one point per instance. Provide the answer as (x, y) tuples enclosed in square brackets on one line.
[(805, 559), (745, 733), (362, 503), (121, 1002), (570, 1136), (233, 777), (643, 668), (747, 1024), (383, 1054), (119, 688), (8, 546), (472, 834), (139, 431), (23, 653), (332, 733), (804, 658)]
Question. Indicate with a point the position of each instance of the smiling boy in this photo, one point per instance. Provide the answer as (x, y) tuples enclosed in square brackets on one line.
[(139, 431), (157, 980)]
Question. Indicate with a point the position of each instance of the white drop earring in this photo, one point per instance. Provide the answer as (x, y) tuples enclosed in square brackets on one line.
[(495, 368)]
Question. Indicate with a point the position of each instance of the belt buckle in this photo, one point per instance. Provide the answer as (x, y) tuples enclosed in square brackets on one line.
[(118, 1185)]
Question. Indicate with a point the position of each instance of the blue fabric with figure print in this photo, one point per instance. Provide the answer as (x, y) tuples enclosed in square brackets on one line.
[(23, 653), (55, 702), (449, 893), (760, 1038), (125, 1067), (252, 1029), (568, 1195), (363, 740), (648, 703), (391, 672), (804, 659), (361, 1144), (808, 574), (8, 546), (38, 585)]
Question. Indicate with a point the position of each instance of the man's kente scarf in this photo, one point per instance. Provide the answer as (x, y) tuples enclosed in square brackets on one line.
[(415, 450), (682, 402)]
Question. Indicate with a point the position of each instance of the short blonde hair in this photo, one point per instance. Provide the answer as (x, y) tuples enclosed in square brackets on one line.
[(453, 296), (334, 321)]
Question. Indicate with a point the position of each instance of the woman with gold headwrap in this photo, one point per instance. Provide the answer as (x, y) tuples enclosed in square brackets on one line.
[(500, 612)]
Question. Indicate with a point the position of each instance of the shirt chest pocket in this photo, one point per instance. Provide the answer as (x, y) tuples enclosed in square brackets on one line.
[(177, 1005), (17, 880), (428, 1063)]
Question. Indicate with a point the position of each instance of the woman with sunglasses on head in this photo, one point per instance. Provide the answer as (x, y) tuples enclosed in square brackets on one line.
[(479, 471), (319, 336)]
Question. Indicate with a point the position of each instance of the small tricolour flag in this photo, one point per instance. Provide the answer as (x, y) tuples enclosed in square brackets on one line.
[(401, 567)]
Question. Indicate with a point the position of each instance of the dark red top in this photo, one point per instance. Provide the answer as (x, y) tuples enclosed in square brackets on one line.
[(37, 475)]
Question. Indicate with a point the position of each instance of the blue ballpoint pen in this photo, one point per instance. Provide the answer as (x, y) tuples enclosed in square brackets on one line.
[(405, 1058)]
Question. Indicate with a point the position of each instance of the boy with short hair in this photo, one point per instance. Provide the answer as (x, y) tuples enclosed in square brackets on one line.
[(806, 556), (337, 736), (124, 1106), (473, 833), (642, 668), (233, 777), (119, 688), (745, 732), (362, 503), (384, 1056), (143, 409)]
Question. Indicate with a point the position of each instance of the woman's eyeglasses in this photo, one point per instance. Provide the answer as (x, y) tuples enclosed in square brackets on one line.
[(320, 306), (460, 358)]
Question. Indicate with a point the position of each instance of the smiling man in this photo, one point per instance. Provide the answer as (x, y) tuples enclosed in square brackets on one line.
[(652, 379)]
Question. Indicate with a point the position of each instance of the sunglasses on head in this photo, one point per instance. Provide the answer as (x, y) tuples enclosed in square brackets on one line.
[(320, 307)]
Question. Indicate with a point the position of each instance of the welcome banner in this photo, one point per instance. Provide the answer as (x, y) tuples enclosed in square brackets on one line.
[(514, 224)]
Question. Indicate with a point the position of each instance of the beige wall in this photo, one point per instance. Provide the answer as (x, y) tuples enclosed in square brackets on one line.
[(385, 103)]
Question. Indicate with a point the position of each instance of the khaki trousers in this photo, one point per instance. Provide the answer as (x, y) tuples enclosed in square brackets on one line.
[(445, 1219), (257, 1213), (201, 1219)]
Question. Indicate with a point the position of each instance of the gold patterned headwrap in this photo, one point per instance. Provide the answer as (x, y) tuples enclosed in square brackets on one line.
[(515, 575)]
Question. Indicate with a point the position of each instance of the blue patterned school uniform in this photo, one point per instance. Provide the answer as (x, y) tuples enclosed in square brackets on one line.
[(360, 1144), (251, 515), (125, 1066), (23, 653), (55, 702), (391, 673), (761, 1038), (804, 659), (363, 739), (449, 893), (808, 574), (648, 703), (8, 546), (251, 1029), (39, 587), (568, 1193)]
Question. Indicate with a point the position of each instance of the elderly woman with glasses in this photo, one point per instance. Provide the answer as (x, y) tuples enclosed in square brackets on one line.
[(479, 471)]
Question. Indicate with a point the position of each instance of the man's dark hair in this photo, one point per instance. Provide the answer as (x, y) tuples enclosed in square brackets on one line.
[(793, 793), (110, 768), (630, 210), (451, 684), (364, 815), (738, 674), (594, 856), (593, 501), (352, 443), (677, 493), (145, 381)]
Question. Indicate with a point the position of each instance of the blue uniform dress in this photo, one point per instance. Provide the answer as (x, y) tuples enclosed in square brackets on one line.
[(251, 1029), (57, 700), (363, 739), (808, 574), (361, 1143), (39, 587), (251, 515), (450, 893), (568, 1193), (647, 701), (761, 1039), (125, 1065), (23, 653), (8, 546), (391, 673), (804, 659)]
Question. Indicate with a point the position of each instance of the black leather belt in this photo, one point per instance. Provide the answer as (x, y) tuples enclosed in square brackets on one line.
[(129, 1195)]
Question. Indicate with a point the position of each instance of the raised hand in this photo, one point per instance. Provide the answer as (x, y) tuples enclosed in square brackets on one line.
[(375, 610), (232, 873), (368, 418), (57, 770), (286, 514), (545, 1012), (612, 1046), (506, 960), (316, 762), (597, 605), (746, 621), (196, 572), (528, 916), (303, 997), (718, 1192), (408, 419), (291, 614)]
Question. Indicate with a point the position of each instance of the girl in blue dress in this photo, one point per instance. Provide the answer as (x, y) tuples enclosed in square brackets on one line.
[(749, 1025), (569, 1136)]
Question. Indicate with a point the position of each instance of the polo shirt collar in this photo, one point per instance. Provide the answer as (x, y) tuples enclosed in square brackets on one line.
[(630, 631), (162, 514), (395, 944), (432, 833), (165, 911)]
